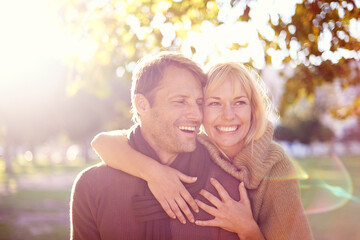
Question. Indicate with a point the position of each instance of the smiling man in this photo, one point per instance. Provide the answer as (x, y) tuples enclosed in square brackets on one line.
[(167, 106), (171, 116)]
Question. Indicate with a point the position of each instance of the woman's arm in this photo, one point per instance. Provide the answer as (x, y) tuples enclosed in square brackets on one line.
[(282, 214), (233, 216), (163, 181)]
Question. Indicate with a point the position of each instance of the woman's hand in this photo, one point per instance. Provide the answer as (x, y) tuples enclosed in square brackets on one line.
[(231, 215), (165, 183)]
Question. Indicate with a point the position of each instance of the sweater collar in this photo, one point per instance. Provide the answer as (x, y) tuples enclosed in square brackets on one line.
[(251, 164)]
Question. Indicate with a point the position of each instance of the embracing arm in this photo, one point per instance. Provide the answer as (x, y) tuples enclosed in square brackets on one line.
[(114, 150), (164, 182), (282, 214)]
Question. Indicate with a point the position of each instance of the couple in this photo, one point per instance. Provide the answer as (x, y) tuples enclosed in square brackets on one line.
[(242, 182)]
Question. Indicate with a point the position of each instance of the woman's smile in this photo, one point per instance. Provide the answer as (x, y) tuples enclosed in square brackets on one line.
[(227, 129), (227, 116)]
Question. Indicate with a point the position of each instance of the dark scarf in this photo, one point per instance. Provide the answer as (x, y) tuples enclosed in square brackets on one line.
[(146, 208)]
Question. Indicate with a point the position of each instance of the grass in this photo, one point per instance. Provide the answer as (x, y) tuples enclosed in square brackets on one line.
[(43, 214), (35, 213), (342, 222)]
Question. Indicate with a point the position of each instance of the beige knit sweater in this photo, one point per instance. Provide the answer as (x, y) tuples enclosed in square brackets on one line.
[(270, 179)]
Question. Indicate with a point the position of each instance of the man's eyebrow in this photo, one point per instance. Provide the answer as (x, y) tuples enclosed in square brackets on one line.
[(178, 96)]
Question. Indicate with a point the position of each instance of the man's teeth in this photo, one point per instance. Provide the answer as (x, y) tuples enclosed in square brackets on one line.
[(187, 128), (227, 129)]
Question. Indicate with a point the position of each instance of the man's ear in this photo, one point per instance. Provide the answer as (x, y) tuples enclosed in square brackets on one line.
[(141, 104)]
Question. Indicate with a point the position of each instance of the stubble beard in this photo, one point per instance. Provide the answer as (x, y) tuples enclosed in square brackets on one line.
[(167, 137), (169, 141)]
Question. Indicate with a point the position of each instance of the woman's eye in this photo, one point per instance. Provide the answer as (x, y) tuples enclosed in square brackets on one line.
[(240, 103), (214, 104)]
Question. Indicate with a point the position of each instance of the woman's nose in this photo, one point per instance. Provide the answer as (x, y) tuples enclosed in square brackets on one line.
[(228, 113)]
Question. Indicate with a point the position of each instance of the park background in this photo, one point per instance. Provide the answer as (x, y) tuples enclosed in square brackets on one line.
[(65, 72)]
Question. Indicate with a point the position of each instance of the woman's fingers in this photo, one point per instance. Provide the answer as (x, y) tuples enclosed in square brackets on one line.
[(185, 208), (190, 201), (210, 223), (167, 187), (212, 199), (207, 208), (165, 205), (243, 194), (185, 194), (186, 178), (175, 208), (220, 189)]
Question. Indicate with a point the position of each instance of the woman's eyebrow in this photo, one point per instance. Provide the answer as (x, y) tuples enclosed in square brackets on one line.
[(218, 98), (214, 97), (238, 97)]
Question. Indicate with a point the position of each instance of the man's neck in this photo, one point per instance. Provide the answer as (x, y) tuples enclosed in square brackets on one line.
[(166, 157)]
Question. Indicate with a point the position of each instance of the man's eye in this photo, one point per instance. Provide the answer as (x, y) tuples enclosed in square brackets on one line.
[(180, 101)]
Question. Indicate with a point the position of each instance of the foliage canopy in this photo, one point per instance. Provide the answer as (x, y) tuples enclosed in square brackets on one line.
[(319, 41)]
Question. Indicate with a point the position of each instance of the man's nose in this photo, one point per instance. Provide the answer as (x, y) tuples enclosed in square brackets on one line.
[(194, 112)]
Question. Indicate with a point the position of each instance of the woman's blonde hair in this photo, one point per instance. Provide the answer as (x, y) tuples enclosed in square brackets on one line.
[(255, 89)]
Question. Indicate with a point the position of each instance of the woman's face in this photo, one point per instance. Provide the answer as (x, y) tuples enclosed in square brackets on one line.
[(227, 117)]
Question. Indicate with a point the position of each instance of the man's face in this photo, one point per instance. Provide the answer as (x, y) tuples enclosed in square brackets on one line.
[(174, 118)]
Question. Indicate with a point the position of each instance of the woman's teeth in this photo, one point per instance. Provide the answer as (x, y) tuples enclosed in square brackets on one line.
[(227, 129)]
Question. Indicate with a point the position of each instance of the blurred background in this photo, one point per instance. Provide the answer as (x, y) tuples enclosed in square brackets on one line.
[(65, 73)]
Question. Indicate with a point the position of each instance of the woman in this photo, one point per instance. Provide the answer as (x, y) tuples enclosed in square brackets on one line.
[(239, 139)]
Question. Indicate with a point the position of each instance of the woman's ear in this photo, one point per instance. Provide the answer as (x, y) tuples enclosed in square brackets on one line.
[(141, 104)]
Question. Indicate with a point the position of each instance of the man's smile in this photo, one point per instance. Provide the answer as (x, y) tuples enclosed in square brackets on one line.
[(187, 129)]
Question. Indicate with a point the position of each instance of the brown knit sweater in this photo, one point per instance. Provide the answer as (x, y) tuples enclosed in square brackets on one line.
[(270, 179)]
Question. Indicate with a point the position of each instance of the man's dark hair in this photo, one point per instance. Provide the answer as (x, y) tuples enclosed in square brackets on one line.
[(149, 72)]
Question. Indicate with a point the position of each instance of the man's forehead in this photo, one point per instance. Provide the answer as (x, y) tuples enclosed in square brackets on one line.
[(179, 79), (184, 89)]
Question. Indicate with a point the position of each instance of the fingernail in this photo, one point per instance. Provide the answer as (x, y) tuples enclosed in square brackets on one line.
[(242, 184), (197, 210), (183, 222), (192, 220)]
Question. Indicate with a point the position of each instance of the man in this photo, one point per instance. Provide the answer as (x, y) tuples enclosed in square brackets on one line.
[(110, 204)]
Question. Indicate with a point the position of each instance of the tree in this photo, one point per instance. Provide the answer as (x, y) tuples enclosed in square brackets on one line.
[(121, 32), (305, 131), (87, 115), (318, 40), (327, 49)]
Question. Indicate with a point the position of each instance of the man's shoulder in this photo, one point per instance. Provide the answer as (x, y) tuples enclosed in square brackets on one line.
[(94, 170), (91, 174), (102, 175)]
